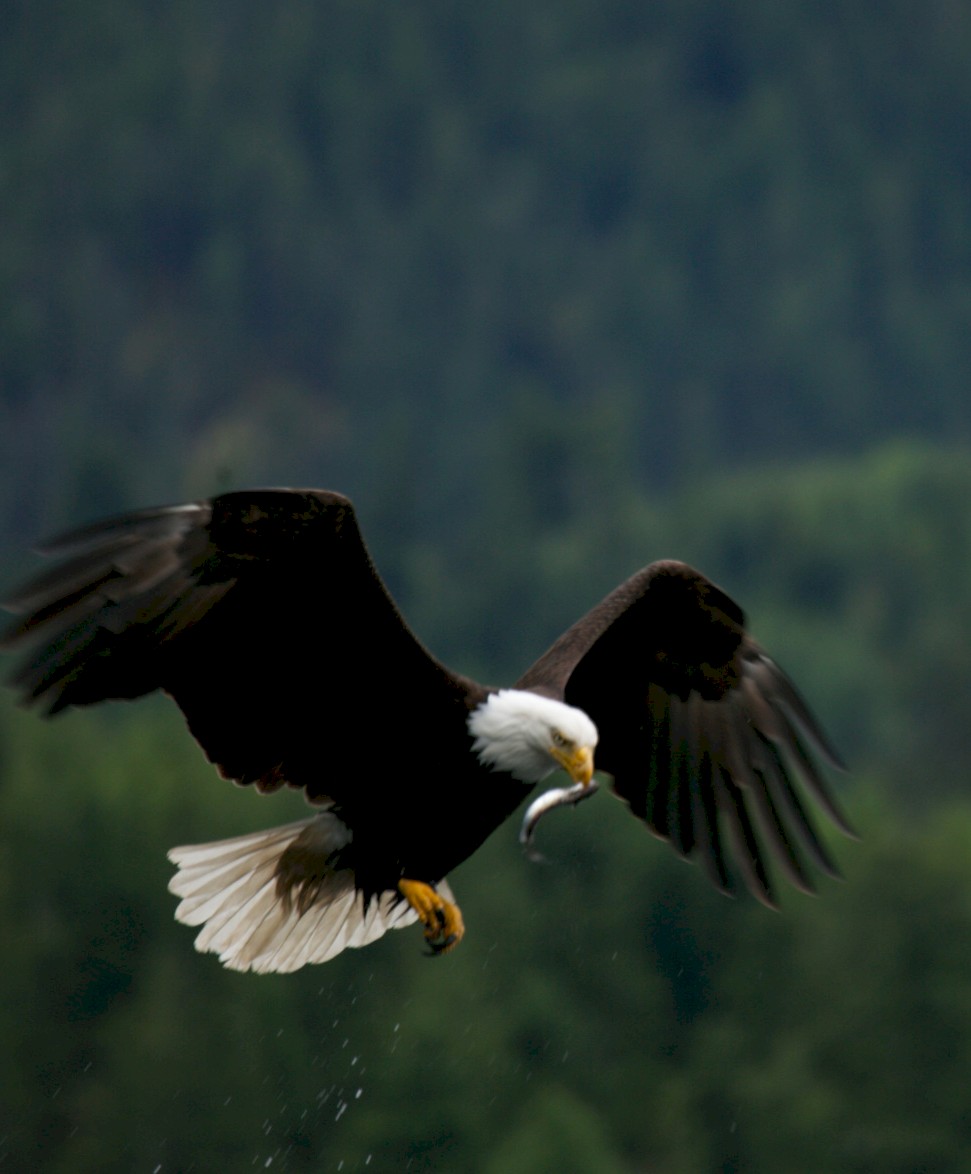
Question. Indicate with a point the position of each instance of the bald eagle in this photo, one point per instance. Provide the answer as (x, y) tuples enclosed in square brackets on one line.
[(261, 614)]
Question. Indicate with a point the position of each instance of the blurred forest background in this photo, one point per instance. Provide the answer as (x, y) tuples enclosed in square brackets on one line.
[(551, 290)]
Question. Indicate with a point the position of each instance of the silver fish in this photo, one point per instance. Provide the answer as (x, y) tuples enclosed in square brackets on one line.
[(555, 797)]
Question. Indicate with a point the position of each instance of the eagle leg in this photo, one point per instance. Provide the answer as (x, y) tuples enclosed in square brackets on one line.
[(442, 920)]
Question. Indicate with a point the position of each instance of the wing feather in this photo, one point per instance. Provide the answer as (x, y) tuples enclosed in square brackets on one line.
[(679, 823), (707, 739), (653, 800), (746, 851), (260, 612)]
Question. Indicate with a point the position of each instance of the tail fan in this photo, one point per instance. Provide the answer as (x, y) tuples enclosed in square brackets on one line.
[(229, 887)]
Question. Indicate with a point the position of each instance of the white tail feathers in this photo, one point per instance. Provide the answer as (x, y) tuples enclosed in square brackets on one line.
[(230, 888)]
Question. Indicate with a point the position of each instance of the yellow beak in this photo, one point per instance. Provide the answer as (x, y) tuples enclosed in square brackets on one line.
[(577, 763)]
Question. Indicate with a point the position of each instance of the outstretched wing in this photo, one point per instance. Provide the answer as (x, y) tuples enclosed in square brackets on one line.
[(706, 738), (259, 612)]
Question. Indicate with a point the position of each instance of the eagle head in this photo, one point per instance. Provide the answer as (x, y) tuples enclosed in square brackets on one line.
[(529, 736)]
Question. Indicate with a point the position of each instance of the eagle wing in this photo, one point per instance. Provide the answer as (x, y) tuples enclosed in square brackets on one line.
[(260, 613), (706, 738)]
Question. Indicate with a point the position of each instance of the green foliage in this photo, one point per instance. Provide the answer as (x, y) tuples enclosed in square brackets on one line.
[(556, 1132), (867, 1033), (251, 244)]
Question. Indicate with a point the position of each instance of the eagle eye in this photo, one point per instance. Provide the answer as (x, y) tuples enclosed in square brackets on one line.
[(559, 741)]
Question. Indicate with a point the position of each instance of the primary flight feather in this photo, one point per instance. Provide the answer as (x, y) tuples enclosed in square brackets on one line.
[(261, 614)]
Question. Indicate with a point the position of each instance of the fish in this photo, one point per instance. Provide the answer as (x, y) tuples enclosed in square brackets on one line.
[(555, 797)]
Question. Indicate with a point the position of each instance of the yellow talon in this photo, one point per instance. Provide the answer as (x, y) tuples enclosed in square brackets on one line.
[(442, 920)]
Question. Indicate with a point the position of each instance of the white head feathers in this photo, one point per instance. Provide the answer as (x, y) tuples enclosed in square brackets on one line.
[(515, 731)]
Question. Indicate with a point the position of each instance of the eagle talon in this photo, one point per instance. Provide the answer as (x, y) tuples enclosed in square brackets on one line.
[(442, 920), (437, 948)]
